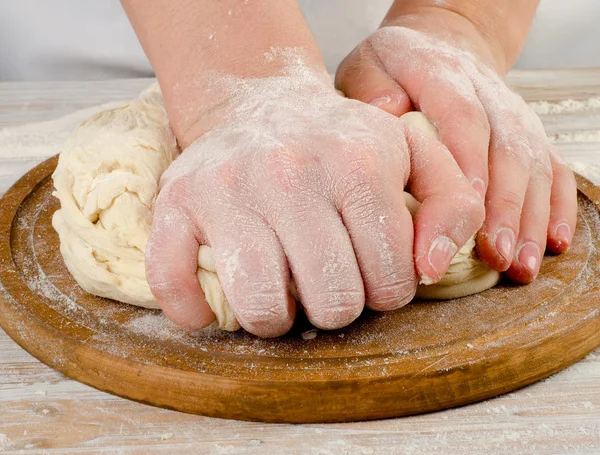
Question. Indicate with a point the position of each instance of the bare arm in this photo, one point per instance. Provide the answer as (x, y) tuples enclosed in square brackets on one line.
[(504, 24), (187, 41)]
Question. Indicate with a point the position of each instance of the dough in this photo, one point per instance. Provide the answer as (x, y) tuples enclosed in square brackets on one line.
[(466, 275), (107, 180)]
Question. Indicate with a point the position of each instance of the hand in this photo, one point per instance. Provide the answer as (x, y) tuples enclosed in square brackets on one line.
[(438, 62), (288, 176)]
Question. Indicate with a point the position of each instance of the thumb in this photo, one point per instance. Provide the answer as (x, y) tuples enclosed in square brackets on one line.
[(361, 76)]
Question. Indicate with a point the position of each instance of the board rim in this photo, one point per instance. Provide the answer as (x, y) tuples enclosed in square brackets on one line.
[(105, 372)]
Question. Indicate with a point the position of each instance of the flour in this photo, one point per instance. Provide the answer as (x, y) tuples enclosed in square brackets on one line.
[(5, 442), (581, 137), (589, 171), (44, 139), (566, 106)]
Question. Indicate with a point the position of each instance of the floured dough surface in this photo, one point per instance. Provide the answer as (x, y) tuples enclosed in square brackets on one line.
[(107, 180)]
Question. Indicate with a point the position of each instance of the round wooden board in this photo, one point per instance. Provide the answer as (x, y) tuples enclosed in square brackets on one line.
[(423, 357)]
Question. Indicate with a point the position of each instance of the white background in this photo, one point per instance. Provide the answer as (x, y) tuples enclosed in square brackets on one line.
[(91, 39)]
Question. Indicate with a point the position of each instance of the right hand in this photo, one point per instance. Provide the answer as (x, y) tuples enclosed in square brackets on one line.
[(292, 177)]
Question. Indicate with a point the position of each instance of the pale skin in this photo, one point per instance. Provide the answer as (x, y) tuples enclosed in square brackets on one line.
[(292, 193)]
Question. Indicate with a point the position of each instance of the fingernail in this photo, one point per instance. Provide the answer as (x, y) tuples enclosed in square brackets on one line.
[(379, 102), (529, 257), (505, 241), (479, 186), (441, 252), (563, 233)]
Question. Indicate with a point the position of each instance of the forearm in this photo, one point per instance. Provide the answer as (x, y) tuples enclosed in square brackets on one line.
[(191, 42), (503, 23)]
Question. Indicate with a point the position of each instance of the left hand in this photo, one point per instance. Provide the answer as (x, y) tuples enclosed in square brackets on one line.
[(439, 63)]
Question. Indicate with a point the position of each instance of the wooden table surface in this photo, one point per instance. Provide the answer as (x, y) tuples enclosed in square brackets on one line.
[(42, 412)]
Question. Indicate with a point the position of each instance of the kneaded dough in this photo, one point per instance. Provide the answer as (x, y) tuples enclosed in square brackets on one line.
[(466, 275), (107, 180)]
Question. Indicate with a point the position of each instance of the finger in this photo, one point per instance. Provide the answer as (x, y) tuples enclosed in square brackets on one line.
[(451, 212), (563, 205), (322, 262), (510, 169), (171, 264), (462, 126), (253, 271), (362, 77), (381, 229), (531, 242)]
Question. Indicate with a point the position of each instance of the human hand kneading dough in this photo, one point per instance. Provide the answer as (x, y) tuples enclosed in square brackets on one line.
[(279, 173), (447, 59), (298, 178)]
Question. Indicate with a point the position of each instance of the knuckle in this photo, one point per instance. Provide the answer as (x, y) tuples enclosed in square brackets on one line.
[(351, 67), (363, 166), (229, 175), (284, 170), (335, 309), (520, 152), (509, 201), (474, 207), (392, 294), (358, 178), (545, 173), (260, 309), (361, 205), (172, 192), (562, 170)]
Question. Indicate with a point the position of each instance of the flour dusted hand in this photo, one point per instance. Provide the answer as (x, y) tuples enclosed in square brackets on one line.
[(438, 62), (467, 274), (291, 177)]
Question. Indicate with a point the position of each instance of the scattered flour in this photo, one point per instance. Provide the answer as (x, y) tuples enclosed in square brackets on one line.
[(565, 106), (44, 139), (581, 137), (589, 171), (5, 442)]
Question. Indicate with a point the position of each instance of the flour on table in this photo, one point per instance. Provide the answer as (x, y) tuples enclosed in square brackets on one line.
[(589, 171), (565, 106)]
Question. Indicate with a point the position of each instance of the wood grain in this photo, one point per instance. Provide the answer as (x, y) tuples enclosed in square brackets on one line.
[(44, 412)]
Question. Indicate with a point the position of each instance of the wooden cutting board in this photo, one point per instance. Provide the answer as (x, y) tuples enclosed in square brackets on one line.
[(424, 357)]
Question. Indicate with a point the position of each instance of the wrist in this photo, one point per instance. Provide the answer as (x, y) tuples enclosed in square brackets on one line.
[(501, 25), (291, 76), (196, 45)]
